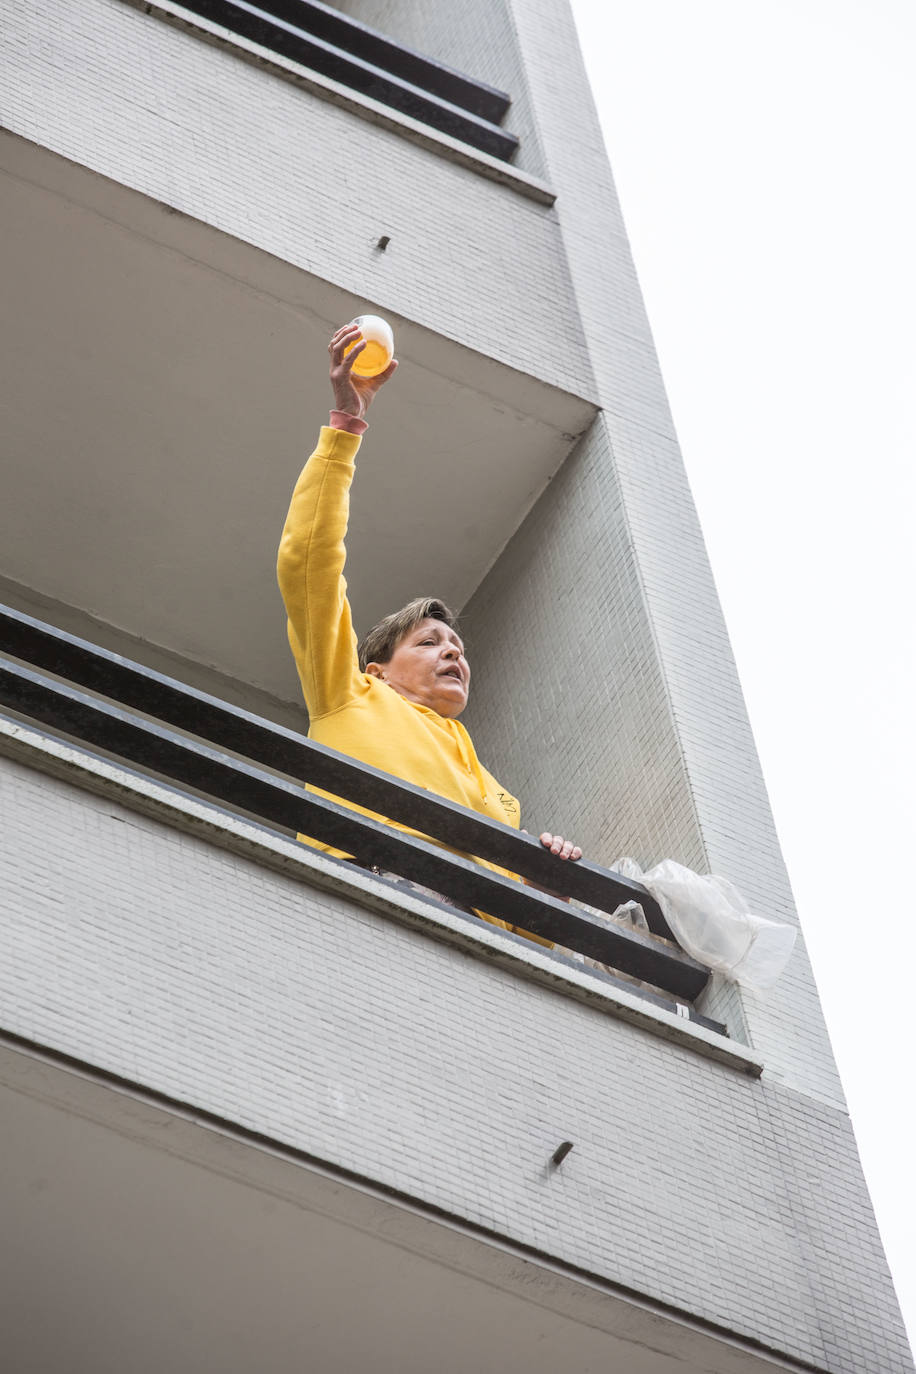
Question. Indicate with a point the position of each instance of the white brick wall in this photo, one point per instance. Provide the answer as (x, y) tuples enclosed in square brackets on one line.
[(203, 976), (204, 131), (600, 640)]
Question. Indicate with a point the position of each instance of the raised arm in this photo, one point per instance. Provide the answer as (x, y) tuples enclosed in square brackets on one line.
[(312, 550)]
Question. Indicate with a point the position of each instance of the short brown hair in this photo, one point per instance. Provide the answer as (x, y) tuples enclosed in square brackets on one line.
[(382, 640)]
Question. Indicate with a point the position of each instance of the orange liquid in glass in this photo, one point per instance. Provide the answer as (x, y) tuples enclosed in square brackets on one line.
[(373, 359)]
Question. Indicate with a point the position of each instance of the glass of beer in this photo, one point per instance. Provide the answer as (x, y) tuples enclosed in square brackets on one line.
[(379, 349)]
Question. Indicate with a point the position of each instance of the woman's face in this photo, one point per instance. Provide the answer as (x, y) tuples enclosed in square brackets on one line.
[(429, 668)]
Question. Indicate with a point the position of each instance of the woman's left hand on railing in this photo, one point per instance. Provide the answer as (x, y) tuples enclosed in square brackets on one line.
[(564, 849)]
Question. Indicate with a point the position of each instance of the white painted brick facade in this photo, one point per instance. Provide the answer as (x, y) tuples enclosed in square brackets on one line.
[(164, 960), (206, 132)]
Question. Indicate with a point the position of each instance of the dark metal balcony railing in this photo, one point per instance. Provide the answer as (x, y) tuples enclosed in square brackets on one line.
[(369, 62), (248, 784)]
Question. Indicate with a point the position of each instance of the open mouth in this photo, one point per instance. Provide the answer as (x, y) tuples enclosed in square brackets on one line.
[(451, 672)]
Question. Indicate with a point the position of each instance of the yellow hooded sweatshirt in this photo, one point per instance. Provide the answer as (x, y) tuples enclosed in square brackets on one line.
[(349, 710)]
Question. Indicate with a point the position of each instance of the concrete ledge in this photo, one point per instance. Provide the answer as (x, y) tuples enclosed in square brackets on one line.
[(231, 832), (366, 108), (134, 1122)]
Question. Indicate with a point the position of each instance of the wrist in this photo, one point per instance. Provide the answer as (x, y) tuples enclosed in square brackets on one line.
[(351, 424)]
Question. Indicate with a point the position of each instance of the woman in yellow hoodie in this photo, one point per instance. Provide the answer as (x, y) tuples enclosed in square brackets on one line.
[(394, 700)]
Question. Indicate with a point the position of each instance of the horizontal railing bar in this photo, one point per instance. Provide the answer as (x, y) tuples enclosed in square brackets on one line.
[(350, 35), (352, 71), (229, 727), (280, 802), (606, 975)]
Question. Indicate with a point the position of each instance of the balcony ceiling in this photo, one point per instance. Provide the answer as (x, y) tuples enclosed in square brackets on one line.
[(163, 384), (143, 1239)]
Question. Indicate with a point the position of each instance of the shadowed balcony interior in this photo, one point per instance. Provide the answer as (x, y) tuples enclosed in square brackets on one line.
[(167, 381)]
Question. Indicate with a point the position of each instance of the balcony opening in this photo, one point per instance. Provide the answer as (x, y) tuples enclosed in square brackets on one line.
[(338, 46)]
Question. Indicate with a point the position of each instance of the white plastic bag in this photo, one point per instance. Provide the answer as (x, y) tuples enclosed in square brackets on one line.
[(710, 919), (630, 914)]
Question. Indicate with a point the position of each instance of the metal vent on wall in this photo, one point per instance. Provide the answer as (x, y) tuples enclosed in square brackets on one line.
[(342, 49)]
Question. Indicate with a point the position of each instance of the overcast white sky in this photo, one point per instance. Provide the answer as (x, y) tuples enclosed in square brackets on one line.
[(764, 157)]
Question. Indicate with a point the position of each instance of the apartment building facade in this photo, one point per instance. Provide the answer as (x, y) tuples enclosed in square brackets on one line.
[(265, 1108)]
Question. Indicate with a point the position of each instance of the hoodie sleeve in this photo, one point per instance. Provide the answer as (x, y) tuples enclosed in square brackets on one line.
[(310, 570)]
